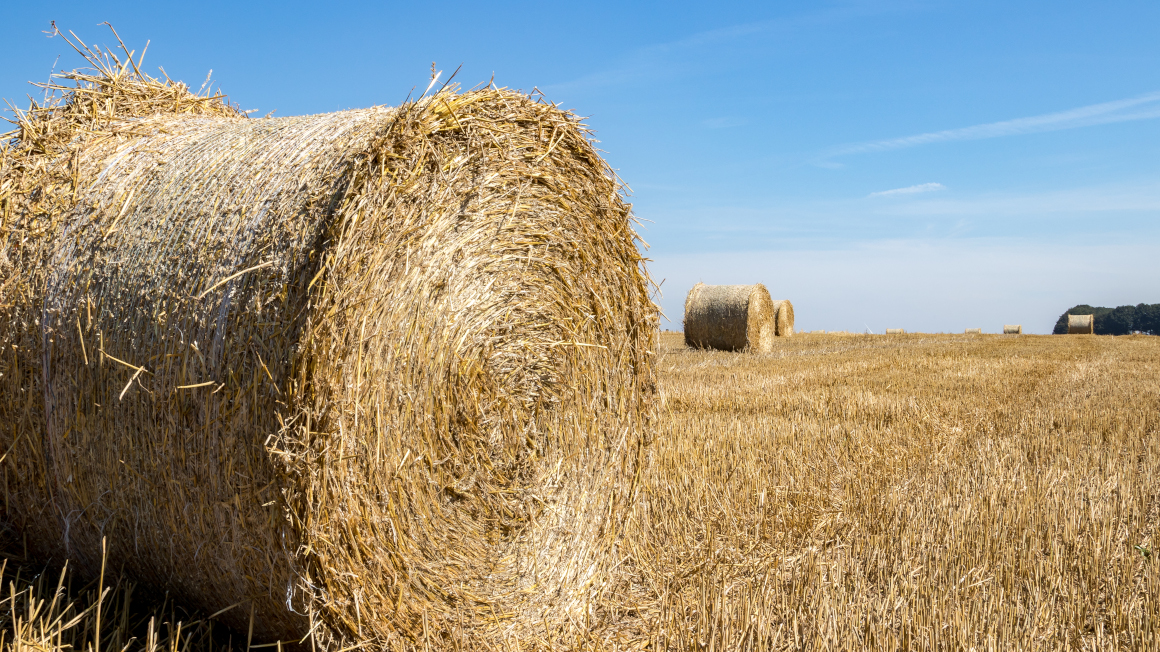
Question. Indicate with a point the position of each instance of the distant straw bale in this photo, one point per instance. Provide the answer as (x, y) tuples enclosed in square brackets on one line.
[(389, 369), (973, 331), (1012, 329), (896, 331), (730, 318), (783, 320), (1081, 324)]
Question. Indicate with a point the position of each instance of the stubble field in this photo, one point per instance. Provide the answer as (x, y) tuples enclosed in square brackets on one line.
[(905, 492)]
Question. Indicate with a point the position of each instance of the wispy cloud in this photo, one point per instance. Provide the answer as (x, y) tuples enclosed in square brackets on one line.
[(909, 190), (669, 59), (1095, 200), (1144, 107)]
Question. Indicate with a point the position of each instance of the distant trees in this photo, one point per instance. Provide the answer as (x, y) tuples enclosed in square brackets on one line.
[(1123, 320)]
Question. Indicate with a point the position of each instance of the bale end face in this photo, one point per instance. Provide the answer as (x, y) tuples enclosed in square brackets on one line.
[(784, 317)]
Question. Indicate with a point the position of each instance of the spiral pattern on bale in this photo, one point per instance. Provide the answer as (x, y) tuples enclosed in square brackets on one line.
[(386, 371), (783, 309)]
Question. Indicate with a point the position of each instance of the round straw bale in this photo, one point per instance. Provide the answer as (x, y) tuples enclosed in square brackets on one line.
[(390, 369), (896, 331), (1012, 329), (1081, 324), (730, 318), (974, 331), (783, 321)]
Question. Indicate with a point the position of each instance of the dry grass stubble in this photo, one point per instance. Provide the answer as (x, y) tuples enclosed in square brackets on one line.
[(931, 492)]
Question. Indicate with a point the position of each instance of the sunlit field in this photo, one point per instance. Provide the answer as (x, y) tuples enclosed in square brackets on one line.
[(848, 492), (906, 492)]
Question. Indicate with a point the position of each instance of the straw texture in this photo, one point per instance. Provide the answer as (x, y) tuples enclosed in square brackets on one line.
[(783, 321), (730, 318), (973, 331), (1081, 324), (387, 369), (1012, 329), (896, 331), (41, 181)]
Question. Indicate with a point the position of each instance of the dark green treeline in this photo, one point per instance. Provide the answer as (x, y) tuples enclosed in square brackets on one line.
[(1124, 320)]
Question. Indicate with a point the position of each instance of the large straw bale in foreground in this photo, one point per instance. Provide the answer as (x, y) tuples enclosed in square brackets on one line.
[(1081, 324), (730, 318), (387, 368), (783, 317)]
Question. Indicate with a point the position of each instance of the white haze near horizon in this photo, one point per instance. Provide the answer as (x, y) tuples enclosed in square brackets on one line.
[(922, 286)]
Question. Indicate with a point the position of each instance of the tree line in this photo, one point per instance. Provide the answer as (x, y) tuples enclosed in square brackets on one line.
[(1124, 320)]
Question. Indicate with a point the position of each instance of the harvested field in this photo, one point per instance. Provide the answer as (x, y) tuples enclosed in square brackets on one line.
[(927, 492), (873, 492)]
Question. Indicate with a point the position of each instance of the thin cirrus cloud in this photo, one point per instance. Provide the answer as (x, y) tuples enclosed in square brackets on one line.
[(1144, 107), (670, 59), (909, 190)]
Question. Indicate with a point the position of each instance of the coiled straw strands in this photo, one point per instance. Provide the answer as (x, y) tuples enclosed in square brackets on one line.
[(1081, 324), (1012, 329), (730, 318), (386, 369)]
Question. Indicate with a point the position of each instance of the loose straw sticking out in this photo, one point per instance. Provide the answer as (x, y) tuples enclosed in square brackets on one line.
[(233, 276), (205, 384), (43, 169), (81, 340), (469, 452)]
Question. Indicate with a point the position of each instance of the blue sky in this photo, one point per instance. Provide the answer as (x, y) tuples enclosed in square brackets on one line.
[(932, 166)]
